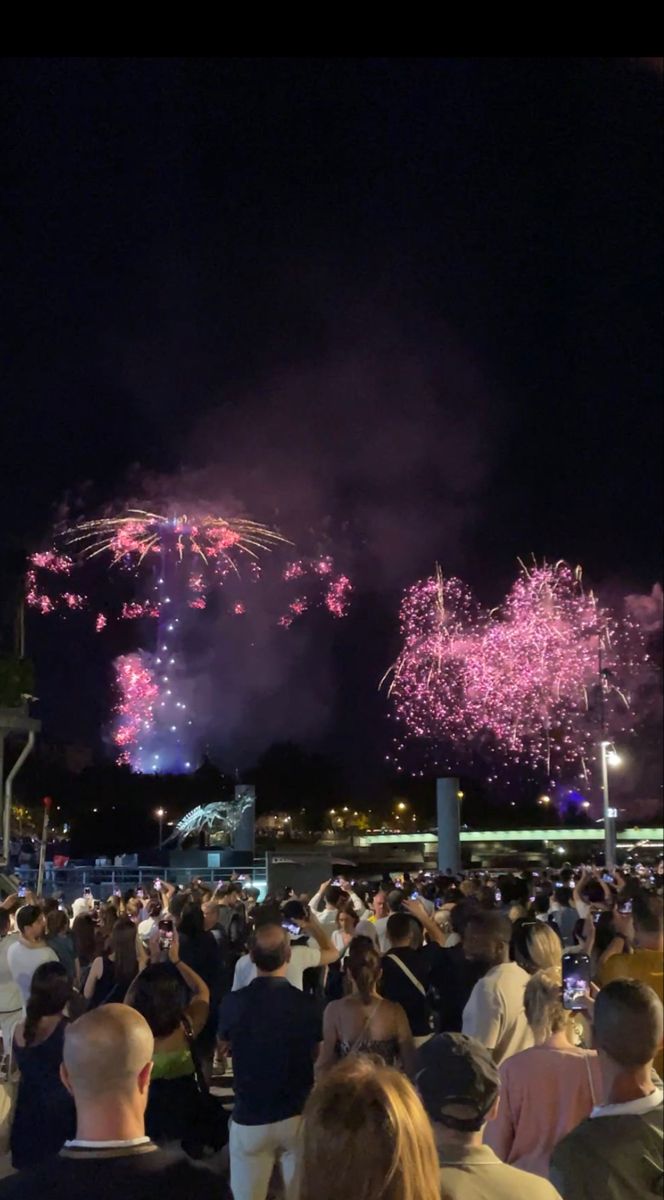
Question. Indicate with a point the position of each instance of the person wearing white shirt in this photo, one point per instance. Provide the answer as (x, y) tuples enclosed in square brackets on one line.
[(302, 957), (11, 1003), (494, 1013), (29, 951)]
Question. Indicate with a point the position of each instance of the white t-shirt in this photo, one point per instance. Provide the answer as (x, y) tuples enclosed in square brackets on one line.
[(380, 925), (23, 961), (302, 957), (495, 1014), (10, 997)]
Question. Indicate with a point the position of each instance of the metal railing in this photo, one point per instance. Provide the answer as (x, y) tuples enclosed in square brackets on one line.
[(103, 880)]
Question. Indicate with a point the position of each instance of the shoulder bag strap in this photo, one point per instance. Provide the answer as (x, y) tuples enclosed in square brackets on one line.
[(408, 973)]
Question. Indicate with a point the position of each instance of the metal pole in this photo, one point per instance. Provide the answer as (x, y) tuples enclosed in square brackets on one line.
[(161, 828), (609, 816), (42, 852), (8, 793)]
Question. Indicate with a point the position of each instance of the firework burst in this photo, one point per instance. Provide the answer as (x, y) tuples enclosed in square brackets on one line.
[(520, 685)]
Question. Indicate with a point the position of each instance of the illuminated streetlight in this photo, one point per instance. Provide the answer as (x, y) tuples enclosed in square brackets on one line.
[(544, 800), (613, 758)]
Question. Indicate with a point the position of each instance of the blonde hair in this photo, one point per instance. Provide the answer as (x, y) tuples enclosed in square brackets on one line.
[(366, 1135), (543, 1003), (545, 951)]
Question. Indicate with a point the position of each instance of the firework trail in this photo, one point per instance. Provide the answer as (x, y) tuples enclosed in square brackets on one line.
[(330, 591), (517, 685)]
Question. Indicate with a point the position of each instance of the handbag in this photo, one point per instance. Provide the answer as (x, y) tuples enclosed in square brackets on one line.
[(210, 1123)]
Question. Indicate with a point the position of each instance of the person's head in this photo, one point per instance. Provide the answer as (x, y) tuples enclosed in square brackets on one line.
[(403, 930), (50, 991), (31, 923), (133, 909), (459, 1085), (486, 938), (107, 1061), (57, 923), (536, 946), (363, 966), (627, 1026), (123, 949), (543, 1003), (83, 933), (192, 924), (542, 903), (332, 895), (5, 922), (210, 914), (347, 919), (395, 900), (379, 905), (648, 918), (49, 904), (270, 949), (159, 994), (154, 908), (564, 896), (108, 918), (366, 1136)]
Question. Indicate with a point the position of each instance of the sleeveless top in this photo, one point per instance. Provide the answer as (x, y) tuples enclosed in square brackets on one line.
[(45, 1116), (385, 1048)]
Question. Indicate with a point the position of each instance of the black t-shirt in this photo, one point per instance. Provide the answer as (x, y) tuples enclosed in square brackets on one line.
[(396, 986), (142, 1173), (274, 1030), (453, 977)]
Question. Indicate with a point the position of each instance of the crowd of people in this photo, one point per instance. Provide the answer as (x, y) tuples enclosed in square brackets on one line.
[(481, 1035)]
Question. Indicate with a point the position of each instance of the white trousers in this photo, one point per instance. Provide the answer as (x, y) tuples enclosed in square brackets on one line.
[(254, 1149)]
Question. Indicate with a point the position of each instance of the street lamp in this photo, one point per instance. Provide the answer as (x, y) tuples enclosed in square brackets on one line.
[(160, 817), (608, 758)]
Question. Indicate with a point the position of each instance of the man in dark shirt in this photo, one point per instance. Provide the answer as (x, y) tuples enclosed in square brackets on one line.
[(406, 970), (106, 1066), (273, 1031)]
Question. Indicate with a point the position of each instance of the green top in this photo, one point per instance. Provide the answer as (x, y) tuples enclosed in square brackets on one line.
[(616, 1157), (172, 1064)]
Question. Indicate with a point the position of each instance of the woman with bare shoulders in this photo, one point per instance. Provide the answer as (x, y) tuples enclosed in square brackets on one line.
[(364, 1022)]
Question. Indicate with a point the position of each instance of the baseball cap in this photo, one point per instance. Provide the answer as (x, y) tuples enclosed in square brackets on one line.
[(455, 1070)]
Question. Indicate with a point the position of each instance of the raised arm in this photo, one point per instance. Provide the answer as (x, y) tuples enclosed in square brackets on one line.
[(417, 910), (328, 951), (316, 901)]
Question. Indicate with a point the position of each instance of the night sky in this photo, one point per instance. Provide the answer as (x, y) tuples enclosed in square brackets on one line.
[(410, 306)]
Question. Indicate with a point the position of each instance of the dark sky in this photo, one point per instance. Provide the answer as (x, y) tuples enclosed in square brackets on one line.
[(417, 301)]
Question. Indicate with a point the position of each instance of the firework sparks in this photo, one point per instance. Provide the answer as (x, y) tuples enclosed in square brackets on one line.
[(138, 694), (516, 681), (101, 621), (337, 596)]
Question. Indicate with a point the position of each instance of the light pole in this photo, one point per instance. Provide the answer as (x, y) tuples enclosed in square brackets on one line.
[(608, 757), (160, 817)]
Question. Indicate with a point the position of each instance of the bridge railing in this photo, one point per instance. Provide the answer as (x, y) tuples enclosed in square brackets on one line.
[(103, 880)]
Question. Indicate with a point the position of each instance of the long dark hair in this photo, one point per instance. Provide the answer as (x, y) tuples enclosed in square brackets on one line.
[(159, 995), (123, 949), (83, 933), (50, 990)]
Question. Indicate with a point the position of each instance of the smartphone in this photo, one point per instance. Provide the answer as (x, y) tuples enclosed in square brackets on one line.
[(607, 878), (97, 904), (439, 902), (165, 932), (625, 907), (117, 892), (597, 915), (87, 891), (294, 930), (576, 980), (414, 895), (157, 885), (499, 896), (21, 892)]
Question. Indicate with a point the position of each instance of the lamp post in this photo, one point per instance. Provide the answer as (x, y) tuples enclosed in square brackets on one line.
[(160, 817), (608, 757)]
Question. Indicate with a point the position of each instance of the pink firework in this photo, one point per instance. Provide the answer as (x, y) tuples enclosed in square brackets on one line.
[(138, 693), (49, 560), (101, 622), (135, 609), (520, 681), (323, 588)]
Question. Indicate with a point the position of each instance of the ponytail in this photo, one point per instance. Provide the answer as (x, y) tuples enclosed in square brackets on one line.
[(363, 965)]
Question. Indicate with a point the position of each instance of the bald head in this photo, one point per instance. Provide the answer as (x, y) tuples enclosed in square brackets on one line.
[(106, 1050), (271, 949)]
